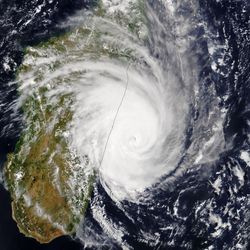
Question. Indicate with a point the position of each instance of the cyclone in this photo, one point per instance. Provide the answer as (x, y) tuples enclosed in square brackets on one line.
[(130, 108), (132, 119), (130, 111)]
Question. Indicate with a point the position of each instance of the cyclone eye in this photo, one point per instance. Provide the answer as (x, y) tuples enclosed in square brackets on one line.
[(133, 141)]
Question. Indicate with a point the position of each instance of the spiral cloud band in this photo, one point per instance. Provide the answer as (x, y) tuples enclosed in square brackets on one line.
[(134, 92)]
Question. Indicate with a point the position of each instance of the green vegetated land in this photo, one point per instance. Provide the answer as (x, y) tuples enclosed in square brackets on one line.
[(49, 186), (45, 205)]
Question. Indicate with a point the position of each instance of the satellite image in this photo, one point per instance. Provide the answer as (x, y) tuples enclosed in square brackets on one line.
[(125, 124)]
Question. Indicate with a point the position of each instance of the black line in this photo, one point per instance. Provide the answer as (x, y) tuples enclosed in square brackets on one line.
[(117, 112)]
